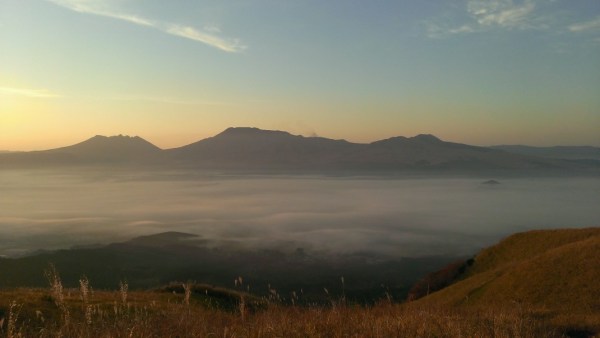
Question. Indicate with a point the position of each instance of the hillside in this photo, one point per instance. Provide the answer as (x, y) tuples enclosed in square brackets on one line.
[(154, 260), (554, 271)]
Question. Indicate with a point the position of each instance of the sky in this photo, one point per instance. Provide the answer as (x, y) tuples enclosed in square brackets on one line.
[(174, 72)]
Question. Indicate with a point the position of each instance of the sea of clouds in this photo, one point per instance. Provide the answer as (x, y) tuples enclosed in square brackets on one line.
[(392, 216)]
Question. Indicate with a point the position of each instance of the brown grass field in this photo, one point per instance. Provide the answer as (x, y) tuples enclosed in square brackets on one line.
[(535, 284), (35, 313)]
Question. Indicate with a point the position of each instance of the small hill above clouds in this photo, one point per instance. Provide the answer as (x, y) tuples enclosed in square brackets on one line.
[(165, 239)]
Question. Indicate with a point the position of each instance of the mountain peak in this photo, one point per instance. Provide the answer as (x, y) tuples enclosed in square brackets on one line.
[(251, 131), (116, 137), (426, 138), (118, 146), (117, 141), (241, 130)]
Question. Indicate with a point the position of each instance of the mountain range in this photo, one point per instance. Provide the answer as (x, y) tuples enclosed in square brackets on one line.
[(252, 149), (560, 152)]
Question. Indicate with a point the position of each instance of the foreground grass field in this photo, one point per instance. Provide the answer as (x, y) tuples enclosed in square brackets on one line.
[(534, 284), (203, 311), (37, 313)]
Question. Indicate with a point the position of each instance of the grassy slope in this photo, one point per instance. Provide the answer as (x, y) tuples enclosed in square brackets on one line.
[(553, 271), (522, 246)]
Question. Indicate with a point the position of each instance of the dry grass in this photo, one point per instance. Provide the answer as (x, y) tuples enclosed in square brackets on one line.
[(165, 314), (555, 272), (525, 245)]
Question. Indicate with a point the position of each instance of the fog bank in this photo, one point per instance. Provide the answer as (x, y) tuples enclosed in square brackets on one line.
[(397, 217)]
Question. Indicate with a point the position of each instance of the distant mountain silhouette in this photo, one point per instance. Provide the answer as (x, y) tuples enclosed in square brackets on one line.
[(252, 148), (111, 149), (94, 151), (429, 152), (557, 152), (256, 150)]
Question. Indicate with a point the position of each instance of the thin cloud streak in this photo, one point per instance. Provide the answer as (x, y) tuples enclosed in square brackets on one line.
[(91, 7), (485, 15), (169, 100), (191, 33), (35, 93), (462, 29), (503, 13), (585, 26)]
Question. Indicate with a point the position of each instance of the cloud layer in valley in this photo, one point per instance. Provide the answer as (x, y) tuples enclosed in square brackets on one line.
[(400, 217)]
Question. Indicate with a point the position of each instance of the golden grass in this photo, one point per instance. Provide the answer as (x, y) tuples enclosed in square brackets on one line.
[(554, 273), (159, 314), (528, 244)]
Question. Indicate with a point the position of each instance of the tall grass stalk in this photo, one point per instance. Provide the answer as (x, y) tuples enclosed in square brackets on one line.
[(13, 315), (84, 288), (57, 293)]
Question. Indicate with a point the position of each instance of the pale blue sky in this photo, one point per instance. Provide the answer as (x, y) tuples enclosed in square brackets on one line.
[(173, 72)]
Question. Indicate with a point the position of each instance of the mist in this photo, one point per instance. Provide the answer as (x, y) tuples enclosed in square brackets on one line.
[(396, 217)]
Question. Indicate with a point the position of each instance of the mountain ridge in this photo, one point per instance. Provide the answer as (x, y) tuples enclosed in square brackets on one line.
[(557, 152), (254, 149)]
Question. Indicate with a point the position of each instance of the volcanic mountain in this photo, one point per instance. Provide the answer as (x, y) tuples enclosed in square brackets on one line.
[(252, 148), (98, 150), (256, 150)]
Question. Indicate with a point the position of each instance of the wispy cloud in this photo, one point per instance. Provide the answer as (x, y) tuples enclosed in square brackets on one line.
[(232, 45), (585, 26), (502, 13), (35, 93), (483, 15), (169, 100), (208, 37)]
